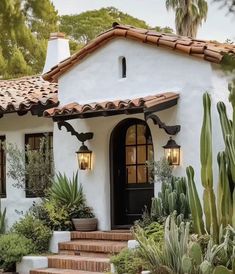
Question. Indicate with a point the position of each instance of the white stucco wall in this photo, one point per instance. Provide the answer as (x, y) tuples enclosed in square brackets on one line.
[(15, 127), (150, 70)]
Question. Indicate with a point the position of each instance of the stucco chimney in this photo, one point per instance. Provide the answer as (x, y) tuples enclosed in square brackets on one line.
[(57, 50)]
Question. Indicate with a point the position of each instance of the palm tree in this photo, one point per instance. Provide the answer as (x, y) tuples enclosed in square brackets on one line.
[(189, 15)]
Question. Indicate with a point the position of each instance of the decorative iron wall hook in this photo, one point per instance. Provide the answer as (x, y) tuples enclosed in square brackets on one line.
[(82, 137), (171, 130)]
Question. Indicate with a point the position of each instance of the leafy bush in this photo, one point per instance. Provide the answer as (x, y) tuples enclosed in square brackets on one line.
[(34, 229), (160, 170), (81, 212), (57, 219), (128, 261), (12, 248)]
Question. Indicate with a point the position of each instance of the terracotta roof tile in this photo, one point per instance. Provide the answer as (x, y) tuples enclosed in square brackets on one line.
[(142, 103), (26, 93), (210, 51)]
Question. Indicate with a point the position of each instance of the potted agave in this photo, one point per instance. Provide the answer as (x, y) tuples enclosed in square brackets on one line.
[(84, 219), (70, 195)]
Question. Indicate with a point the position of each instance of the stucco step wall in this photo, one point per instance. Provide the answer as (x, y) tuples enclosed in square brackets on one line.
[(60, 271), (94, 264), (102, 235), (99, 246)]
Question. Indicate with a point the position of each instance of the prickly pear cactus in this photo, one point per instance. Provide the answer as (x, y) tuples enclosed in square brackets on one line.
[(222, 270)]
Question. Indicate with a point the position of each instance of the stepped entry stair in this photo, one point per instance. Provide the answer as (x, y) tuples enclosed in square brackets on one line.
[(86, 253)]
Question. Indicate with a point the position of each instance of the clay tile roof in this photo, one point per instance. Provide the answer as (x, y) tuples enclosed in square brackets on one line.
[(136, 105), (27, 94), (208, 50)]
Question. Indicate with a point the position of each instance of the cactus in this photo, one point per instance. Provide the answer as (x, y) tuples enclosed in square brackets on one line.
[(173, 197), (224, 196), (222, 270), (206, 170), (194, 202), (195, 252), (228, 129)]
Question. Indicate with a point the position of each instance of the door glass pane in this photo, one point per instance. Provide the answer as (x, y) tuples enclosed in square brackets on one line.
[(130, 155), (141, 154), (131, 174), (141, 134), (131, 135), (150, 153), (142, 174)]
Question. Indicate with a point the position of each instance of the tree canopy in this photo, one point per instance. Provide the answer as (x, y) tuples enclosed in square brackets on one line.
[(83, 27), (25, 26)]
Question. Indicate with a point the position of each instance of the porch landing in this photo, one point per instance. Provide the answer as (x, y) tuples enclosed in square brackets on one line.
[(86, 253)]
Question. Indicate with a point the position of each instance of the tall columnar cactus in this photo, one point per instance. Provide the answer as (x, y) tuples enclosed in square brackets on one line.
[(194, 202), (224, 205), (228, 129), (206, 170)]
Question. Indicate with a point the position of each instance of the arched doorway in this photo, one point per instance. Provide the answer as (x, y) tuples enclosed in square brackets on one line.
[(130, 147)]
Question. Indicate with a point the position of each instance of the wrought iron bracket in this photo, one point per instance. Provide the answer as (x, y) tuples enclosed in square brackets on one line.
[(82, 137), (171, 130)]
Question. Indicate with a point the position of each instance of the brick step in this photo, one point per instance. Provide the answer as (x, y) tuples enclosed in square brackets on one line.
[(84, 253), (102, 235), (93, 246), (60, 271), (94, 264)]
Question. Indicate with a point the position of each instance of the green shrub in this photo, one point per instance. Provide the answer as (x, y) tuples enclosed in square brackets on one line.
[(36, 230), (12, 248), (128, 261), (57, 219)]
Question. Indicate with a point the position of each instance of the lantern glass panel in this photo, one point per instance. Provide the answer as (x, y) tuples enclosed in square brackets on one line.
[(173, 155), (84, 160)]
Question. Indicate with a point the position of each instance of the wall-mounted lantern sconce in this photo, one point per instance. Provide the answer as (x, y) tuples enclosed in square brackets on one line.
[(172, 152), (84, 155)]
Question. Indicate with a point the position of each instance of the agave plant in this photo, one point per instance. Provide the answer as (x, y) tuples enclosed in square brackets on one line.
[(67, 191)]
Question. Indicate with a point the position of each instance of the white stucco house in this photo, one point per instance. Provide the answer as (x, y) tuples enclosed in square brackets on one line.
[(133, 89)]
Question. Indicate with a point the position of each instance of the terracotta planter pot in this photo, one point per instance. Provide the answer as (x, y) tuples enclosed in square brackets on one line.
[(85, 224)]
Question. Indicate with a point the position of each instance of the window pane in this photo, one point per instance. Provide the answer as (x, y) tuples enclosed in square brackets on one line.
[(141, 154), (130, 135), (37, 141), (150, 153), (141, 134), (31, 142), (142, 174), (131, 174), (130, 155)]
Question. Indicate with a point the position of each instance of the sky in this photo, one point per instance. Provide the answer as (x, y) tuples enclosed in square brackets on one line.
[(219, 25)]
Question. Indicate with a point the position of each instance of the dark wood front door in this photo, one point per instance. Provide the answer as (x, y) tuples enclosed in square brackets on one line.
[(131, 146)]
